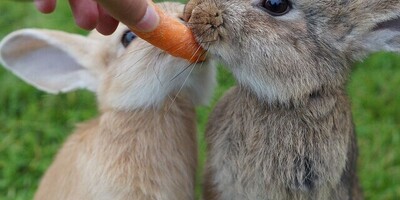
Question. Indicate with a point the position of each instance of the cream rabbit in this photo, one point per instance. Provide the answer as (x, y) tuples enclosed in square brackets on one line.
[(143, 144), (286, 132)]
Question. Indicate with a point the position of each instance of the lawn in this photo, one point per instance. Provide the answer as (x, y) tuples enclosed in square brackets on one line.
[(33, 124)]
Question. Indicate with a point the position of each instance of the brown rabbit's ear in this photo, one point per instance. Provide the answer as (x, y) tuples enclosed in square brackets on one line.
[(52, 61), (385, 36)]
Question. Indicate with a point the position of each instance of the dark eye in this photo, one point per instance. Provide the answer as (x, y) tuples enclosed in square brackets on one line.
[(127, 38), (276, 7)]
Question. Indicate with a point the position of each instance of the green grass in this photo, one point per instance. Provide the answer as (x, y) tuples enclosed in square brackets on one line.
[(33, 124), (375, 95)]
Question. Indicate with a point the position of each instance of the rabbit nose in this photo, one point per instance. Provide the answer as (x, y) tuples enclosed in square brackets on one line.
[(204, 14), (206, 21), (217, 20)]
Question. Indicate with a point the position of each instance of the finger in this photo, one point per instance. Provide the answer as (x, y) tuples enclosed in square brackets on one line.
[(45, 6), (85, 13), (106, 24), (134, 13)]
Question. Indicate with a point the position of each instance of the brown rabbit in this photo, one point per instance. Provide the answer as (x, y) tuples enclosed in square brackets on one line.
[(286, 132), (143, 144)]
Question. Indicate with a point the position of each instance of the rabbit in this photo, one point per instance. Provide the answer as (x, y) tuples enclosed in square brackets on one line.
[(143, 143), (285, 132)]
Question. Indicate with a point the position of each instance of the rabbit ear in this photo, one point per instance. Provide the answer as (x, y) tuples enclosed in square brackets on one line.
[(52, 61), (384, 37)]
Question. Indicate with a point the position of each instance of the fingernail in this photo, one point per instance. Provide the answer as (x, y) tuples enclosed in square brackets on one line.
[(40, 4), (149, 21)]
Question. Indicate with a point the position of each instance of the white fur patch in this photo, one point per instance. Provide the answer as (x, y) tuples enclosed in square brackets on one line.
[(140, 82)]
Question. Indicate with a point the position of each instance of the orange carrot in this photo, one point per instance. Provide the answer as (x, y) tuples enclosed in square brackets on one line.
[(174, 38)]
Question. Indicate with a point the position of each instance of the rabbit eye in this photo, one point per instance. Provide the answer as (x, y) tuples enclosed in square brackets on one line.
[(127, 38), (276, 7)]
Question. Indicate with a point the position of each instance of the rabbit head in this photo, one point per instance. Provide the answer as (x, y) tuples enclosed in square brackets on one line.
[(123, 70), (286, 50)]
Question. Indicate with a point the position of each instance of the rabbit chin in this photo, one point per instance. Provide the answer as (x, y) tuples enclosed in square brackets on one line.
[(271, 91), (149, 84), (256, 76)]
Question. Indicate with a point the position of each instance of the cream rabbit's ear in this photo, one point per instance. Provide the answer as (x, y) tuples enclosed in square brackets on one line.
[(52, 61)]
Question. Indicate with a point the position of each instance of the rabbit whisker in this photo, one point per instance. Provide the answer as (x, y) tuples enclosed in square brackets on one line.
[(184, 43), (187, 77), (184, 69), (197, 59), (180, 89), (145, 56), (155, 72), (136, 50)]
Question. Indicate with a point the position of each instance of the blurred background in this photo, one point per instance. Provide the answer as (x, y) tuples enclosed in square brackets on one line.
[(34, 124)]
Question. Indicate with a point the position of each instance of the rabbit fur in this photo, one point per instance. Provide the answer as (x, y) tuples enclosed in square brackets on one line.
[(285, 132), (143, 143)]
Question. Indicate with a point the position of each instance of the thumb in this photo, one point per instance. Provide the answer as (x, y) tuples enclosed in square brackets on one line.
[(134, 13)]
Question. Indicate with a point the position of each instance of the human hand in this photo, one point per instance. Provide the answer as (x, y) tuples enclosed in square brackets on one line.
[(105, 14)]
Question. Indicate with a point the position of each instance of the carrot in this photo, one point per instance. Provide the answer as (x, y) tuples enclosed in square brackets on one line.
[(174, 38)]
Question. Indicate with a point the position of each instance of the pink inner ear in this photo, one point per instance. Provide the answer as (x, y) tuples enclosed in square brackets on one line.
[(393, 24), (45, 65)]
